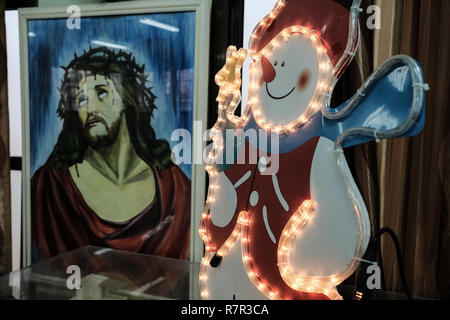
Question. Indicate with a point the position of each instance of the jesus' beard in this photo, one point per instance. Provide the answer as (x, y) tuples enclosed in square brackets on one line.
[(97, 142)]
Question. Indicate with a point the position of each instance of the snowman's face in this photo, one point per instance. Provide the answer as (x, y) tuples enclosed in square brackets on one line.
[(285, 79)]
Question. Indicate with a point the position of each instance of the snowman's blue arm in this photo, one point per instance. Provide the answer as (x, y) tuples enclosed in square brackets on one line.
[(384, 107)]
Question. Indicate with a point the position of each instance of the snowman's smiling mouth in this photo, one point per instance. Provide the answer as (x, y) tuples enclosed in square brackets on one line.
[(278, 98)]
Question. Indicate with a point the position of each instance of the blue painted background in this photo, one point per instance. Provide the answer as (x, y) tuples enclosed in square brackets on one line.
[(168, 57)]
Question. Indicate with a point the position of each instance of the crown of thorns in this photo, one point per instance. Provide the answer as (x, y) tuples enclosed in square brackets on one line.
[(104, 61)]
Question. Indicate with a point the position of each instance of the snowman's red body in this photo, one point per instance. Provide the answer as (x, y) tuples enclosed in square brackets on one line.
[(269, 210)]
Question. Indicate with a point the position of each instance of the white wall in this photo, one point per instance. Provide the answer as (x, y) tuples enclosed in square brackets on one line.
[(254, 11), (15, 128)]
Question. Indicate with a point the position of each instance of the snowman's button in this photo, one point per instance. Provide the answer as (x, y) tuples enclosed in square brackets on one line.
[(262, 164), (254, 198)]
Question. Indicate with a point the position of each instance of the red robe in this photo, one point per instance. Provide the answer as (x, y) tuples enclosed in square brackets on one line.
[(62, 221)]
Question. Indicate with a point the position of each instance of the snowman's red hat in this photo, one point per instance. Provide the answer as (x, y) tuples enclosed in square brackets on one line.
[(328, 18)]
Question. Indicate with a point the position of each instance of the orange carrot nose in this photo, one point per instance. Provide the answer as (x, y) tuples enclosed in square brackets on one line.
[(268, 71)]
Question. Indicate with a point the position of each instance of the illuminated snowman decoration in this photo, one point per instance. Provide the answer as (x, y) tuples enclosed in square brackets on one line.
[(292, 224)]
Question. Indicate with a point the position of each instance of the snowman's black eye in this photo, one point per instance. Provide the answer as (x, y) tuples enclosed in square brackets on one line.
[(282, 64), (275, 63)]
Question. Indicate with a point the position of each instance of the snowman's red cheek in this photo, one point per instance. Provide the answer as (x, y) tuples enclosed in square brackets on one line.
[(303, 80)]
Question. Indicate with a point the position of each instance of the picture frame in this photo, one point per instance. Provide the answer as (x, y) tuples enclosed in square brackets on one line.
[(127, 11)]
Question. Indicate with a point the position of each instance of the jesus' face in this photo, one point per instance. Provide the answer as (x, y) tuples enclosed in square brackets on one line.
[(100, 109)]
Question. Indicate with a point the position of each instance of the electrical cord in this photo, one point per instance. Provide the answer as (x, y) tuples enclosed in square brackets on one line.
[(361, 290), (399, 257)]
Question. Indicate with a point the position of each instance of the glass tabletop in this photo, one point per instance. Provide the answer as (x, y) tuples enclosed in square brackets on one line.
[(94, 273)]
